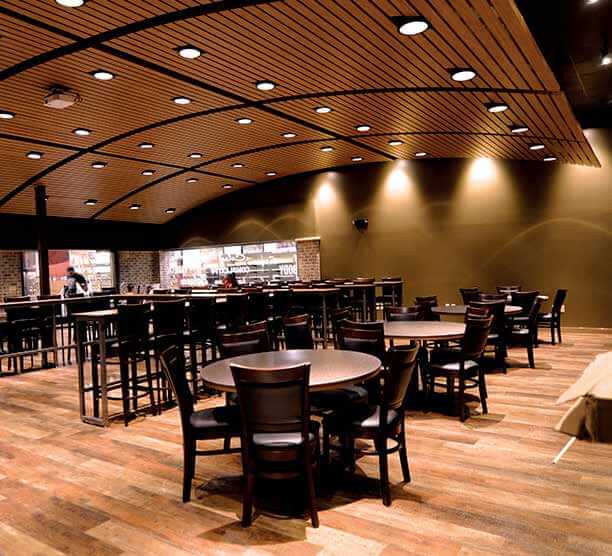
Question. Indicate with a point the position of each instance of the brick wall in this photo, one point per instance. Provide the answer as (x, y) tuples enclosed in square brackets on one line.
[(10, 273), (309, 258), (139, 268)]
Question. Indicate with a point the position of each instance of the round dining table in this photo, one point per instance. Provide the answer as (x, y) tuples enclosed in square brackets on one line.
[(329, 369), (461, 309), (424, 330)]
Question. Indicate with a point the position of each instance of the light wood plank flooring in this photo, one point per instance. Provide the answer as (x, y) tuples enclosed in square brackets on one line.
[(486, 486)]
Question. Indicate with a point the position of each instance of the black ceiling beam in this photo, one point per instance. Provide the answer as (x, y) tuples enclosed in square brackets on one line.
[(81, 43)]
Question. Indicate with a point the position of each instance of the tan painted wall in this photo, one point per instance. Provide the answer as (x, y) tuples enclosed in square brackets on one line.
[(442, 224)]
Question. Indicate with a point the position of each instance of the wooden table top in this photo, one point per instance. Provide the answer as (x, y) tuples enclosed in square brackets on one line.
[(95, 315), (329, 369), (461, 309), (424, 330), (355, 286)]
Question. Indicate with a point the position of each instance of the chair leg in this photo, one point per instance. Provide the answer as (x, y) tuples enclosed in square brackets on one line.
[(552, 331), (482, 390), (530, 353), (403, 454), (189, 450), (247, 499), (381, 447), (462, 411), (147, 360), (559, 331), (125, 389), (325, 432), (310, 484)]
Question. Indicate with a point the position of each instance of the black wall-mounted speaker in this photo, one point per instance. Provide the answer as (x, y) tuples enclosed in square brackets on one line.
[(361, 224)]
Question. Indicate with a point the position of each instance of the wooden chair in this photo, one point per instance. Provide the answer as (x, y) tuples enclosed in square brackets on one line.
[(461, 365), (298, 332), (383, 421), (487, 296), (426, 303), (499, 329), (469, 294), (205, 424), (278, 439), (525, 333), (394, 314), (507, 289), (552, 320)]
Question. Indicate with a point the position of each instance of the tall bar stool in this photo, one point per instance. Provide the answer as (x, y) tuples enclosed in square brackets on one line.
[(202, 336), (169, 318)]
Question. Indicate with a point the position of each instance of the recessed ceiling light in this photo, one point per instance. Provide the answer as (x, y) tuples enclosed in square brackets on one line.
[(289, 135), (191, 180), (519, 128), (188, 51), (103, 75), (496, 107), (98, 164), (195, 155), (135, 206), (265, 85), (327, 149), (244, 121), (237, 165), (395, 142), (357, 158), (228, 186), (81, 131), (148, 172), (606, 60), (70, 3), (536, 147), (170, 211), (549, 158), (35, 155), (363, 127), (462, 74), (4, 115), (411, 25), (420, 154), (592, 1), (181, 100), (323, 109), (90, 202), (270, 174), (145, 145)]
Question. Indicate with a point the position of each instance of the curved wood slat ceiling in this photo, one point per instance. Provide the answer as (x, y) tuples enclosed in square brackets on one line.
[(346, 54)]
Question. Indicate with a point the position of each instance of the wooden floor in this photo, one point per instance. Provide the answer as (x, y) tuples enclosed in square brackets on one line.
[(483, 487)]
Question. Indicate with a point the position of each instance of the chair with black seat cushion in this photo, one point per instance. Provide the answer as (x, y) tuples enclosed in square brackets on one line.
[(298, 332), (206, 424), (278, 439), (525, 301), (426, 304), (469, 294), (383, 421), (461, 365), (499, 329), (395, 314), (552, 320), (472, 312), (525, 333), (337, 317)]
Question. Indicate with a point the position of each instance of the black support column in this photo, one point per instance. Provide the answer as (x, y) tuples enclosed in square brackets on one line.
[(43, 250)]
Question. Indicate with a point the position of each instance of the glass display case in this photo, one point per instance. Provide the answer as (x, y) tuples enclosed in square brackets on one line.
[(251, 262)]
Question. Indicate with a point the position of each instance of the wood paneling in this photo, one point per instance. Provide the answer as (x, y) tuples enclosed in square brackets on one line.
[(486, 486), (343, 53)]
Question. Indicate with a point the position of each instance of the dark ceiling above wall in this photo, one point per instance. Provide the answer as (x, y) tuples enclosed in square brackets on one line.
[(571, 35), (390, 96)]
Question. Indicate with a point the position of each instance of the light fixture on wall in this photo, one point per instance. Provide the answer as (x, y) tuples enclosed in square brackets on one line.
[(361, 224)]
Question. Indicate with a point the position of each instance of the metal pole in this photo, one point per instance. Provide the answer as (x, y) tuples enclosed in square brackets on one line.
[(43, 250)]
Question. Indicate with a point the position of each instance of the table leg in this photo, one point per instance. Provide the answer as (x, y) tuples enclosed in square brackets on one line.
[(324, 308), (103, 377), (80, 370), (364, 304)]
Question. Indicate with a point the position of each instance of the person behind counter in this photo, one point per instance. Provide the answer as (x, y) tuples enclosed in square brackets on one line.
[(230, 281), (74, 278)]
